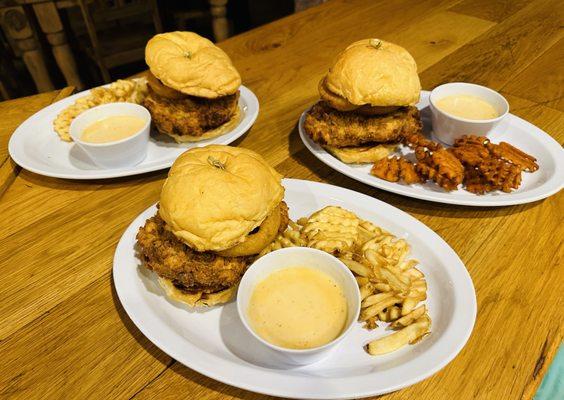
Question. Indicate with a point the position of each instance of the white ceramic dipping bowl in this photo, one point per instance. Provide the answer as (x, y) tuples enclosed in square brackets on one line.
[(300, 257), (122, 153), (447, 128)]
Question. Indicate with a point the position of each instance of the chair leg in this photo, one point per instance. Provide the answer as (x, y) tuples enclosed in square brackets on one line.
[(51, 25), (219, 21), (157, 22), (90, 27), (16, 26)]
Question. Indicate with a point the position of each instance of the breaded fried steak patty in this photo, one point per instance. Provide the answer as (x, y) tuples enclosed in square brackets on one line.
[(190, 115), (190, 270), (327, 126)]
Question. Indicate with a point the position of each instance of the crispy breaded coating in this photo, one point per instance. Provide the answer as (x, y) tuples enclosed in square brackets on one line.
[(190, 115), (328, 126), (190, 270)]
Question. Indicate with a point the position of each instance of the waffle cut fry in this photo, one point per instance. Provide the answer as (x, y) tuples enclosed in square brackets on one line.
[(291, 237), (331, 229), (391, 287), (130, 91)]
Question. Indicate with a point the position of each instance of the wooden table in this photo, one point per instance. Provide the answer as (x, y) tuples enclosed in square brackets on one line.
[(63, 332)]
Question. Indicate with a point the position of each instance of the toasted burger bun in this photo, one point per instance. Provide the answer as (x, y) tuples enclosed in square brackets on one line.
[(216, 195), (197, 298), (375, 72), (191, 64)]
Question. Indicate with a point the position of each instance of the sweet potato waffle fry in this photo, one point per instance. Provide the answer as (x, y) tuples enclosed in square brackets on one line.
[(475, 162), (391, 286)]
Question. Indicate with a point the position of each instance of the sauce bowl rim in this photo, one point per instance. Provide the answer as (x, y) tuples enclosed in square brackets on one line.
[(326, 346), (76, 137), (432, 100)]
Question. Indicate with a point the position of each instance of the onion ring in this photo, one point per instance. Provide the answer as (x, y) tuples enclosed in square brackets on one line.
[(163, 90), (254, 243), (341, 104)]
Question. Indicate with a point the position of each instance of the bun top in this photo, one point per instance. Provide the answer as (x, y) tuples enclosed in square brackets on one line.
[(215, 195), (191, 64), (375, 72)]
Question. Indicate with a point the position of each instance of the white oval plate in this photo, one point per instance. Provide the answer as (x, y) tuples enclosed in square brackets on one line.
[(215, 343), (549, 179), (36, 147)]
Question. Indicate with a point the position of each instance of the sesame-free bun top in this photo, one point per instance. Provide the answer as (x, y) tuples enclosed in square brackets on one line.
[(215, 195), (191, 64), (375, 72)]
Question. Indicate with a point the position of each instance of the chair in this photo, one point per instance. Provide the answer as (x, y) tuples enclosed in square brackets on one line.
[(116, 31)]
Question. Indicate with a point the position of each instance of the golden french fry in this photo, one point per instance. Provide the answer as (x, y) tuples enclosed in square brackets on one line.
[(375, 298), (302, 221), (366, 290), (375, 309), (409, 304), (398, 273), (371, 323), (419, 286), (394, 313), (409, 318), (374, 258), (361, 280), (357, 268), (413, 273), (407, 265), (420, 338), (396, 283), (398, 339), (382, 287)]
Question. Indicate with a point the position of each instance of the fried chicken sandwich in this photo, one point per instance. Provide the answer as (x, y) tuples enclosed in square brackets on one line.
[(367, 102), (219, 207), (193, 87)]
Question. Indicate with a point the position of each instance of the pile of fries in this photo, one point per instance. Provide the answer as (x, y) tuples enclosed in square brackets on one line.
[(391, 287)]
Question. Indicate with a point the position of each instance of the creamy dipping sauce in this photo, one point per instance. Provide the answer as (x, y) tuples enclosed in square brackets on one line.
[(467, 106), (298, 308), (111, 129)]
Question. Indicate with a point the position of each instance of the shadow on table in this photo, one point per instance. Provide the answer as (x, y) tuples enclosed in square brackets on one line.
[(176, 367), (153, 350), (310, 168), (102, 184), (31, 179)]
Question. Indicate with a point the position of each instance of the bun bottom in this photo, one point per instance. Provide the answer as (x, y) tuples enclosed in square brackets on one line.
[(213, 133), (197, 299), (362, 154)]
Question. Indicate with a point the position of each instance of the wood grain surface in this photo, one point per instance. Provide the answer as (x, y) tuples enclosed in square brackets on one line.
[(63, 333)]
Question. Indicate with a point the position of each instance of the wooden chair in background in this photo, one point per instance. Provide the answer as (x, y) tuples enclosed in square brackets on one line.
[(22, 39), (109, 32), (117, 31)]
